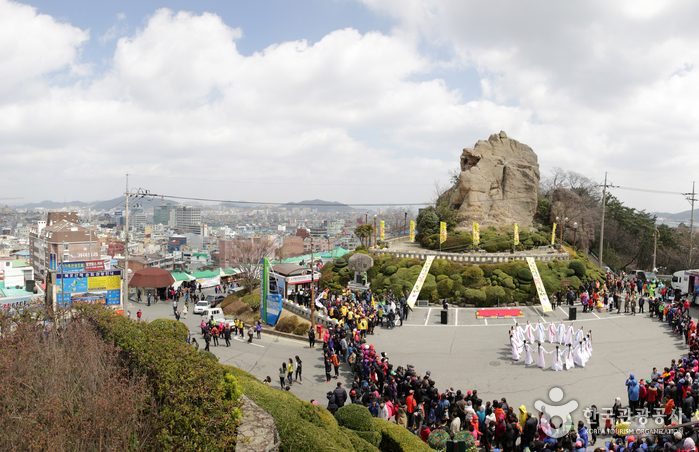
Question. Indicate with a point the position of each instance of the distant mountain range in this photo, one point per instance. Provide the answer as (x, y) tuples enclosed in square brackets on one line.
[(320, 205), (676, 218)]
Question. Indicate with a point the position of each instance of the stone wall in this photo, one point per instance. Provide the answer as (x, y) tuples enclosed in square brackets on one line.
[(474, 258), (301, 311)]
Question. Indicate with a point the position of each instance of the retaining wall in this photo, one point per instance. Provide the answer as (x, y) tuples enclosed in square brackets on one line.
[(301, 311), (473, 258)]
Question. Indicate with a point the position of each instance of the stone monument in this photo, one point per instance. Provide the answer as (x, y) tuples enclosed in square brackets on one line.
[(498, 184), (359, 264)]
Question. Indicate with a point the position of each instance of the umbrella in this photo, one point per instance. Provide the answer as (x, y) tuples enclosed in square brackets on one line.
[(152, 277)]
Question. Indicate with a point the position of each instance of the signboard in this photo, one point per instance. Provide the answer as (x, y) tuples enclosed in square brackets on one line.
[(412, 231), (565, 282), (516, 235), (420, 281), (94, 287), (540, 290), (382, 230), (553, 234), (53, 261), (270, 297), (442, 232), (476, 234), (82, 267)]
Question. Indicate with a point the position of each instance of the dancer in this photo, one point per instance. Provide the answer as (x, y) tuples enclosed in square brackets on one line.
[(569, 334), (561, 333), (528, 354), (579, 335), (542, 356), (529, 332), (516, 352), (552, 332), (540, 332), (557, 363), (577, 355), (568, 354), (520, 333)]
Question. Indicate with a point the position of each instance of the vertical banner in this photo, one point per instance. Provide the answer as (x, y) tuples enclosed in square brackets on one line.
[(476, 234), (264, 288), (412, 231), (540, 289), (442, 232), (420, 281), (516, 235), (270, 300), (553, 234), (382, 230)]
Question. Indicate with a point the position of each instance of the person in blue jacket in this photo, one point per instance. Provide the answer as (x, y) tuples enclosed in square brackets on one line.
[(582, 434), (633, 389)]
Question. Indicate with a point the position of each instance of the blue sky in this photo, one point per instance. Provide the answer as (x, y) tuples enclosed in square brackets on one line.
[(376, 92)]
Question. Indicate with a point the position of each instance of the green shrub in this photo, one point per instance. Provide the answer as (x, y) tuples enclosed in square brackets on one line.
[(395, 438), (438, 440), (302, 426), (475, 296), (578, 267), (287, 324), (253, 301), (456, 278), (194, 402), (468, 438), (360, 444), (492, 294), (168, 328), (302, 329), (444, 287), (354, 417), (524, 274), (441, 278), (339, 263), (208, 355), (372, 437), (391, 269)]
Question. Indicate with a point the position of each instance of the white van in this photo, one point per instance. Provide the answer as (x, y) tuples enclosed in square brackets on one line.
[(216, 313), (685, 280)]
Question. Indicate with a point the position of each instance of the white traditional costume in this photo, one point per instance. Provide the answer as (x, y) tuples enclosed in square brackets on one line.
[(568, 354), (542, 356), (557, 363), (552, 333), (561, 333), (577, 355), (528, 355), (540, 332), (570, 331), (529, 332), (579, 335), (516, 352)]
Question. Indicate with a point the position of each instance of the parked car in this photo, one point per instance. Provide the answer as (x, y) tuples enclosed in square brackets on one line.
[(646, 276), (214, 300), (201, 306), (216, 313), (234, 289)]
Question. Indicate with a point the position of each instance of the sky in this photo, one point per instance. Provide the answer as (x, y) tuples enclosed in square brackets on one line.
[(356, 101)]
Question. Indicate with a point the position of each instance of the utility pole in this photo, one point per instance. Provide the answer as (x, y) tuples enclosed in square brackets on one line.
[(126, 250), (691, 224), (655, 247), (313, 294), (601, 233), (376, 244)]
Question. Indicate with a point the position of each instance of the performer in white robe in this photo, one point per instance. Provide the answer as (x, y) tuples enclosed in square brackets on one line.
[(577, 355), (542, 356), (579, 335), (552, 333), (516, 352), (528, 354), (585, 351), (568, 354), (570, 331), (520, 333), (540, 331), (557, 363), (529, 332), (561, 333)]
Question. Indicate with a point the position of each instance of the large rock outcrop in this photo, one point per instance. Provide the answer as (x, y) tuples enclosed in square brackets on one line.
[(498, 184)]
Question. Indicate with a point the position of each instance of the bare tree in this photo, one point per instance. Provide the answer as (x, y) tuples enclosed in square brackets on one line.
[(247, 254), (397, 219)]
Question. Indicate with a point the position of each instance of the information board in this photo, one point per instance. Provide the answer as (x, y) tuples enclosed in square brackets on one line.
[(94, 287)]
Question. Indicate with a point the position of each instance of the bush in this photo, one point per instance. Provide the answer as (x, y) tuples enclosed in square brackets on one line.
[(492, 294), (168, 329), (302, 426), (578, 267), (208, 355), (456, 278), (445, 287), (302, 329), (438, 440), (360, 444), (468, 438), (524, 274), (391, 269), (395, 438), (354, 417), (253, 301), (475, 296), (372, 437), (287, 324)]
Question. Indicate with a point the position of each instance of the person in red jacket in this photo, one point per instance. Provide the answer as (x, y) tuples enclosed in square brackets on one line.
[(410, 408)]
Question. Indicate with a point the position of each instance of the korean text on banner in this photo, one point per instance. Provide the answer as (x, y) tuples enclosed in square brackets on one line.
[(420, 281), (264, 287), (382, 230), (412, 231), (553, 234), (476, 234), (540, 290), (442, 232), (516, 235)]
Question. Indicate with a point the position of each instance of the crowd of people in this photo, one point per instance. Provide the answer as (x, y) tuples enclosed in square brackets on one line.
[(404, 396)]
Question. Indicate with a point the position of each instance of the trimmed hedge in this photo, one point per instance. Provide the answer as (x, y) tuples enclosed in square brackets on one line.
[(395, 438), (302, 426), (193, 401), (360, 445), (354, 417)]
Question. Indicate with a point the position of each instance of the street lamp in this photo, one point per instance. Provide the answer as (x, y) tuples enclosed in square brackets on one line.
[(563, 223), (575, 235), (375, 242)]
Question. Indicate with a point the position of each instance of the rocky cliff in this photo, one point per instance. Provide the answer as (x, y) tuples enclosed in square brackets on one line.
[(498, 184)]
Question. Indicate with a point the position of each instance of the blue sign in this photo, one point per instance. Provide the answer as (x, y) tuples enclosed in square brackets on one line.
[(270, 298), (53, 261)]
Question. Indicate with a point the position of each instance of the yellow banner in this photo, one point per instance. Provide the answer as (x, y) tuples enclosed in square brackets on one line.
[(476, 234), (540, 289), (553, 234), (382, 230), (104, 282), (412, 231), (442, 232), (516, 235), (420, 281)]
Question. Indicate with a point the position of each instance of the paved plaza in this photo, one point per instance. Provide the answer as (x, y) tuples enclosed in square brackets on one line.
[(471, 353)]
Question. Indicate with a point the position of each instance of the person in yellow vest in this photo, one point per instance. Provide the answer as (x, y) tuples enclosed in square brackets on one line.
[(362, 327)]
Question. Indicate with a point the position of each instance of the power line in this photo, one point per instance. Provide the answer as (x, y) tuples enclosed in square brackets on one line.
[(279, 183), (646, 190)]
